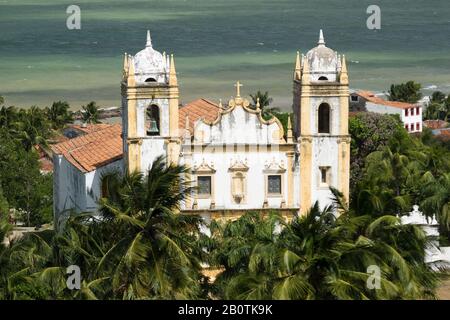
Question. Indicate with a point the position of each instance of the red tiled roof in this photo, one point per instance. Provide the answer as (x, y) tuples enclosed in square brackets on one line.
[(89, 128), (46, 165), (435, 124), (370, 96), (200, 108), (93, 150)]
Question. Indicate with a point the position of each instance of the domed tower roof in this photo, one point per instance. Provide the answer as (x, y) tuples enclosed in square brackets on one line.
[(323, 61), (149, 64)]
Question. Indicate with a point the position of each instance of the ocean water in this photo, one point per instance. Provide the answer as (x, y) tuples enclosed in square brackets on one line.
[(216, 43)]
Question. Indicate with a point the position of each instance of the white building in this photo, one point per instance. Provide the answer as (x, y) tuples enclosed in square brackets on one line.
[(238, 160), (410, 114)]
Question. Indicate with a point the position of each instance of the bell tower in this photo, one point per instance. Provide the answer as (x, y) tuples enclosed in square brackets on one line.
[(150, 98), (320, 107)]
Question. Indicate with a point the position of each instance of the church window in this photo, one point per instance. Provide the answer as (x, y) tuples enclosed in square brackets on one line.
[(150, 80), (274, 184), (322, 78), (152, 120), (324, 175), (204, 185), (324, 118)]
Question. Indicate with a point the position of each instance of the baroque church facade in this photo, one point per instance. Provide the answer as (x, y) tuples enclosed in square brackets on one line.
[(238, 160)]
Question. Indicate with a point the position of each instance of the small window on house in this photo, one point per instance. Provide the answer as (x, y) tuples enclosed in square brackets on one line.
[(417, 111), (412, 111), (322, 78), (417, 126), (324, 118), (204, 185), (152, 120), (150, 80), (411, 127), (406, 112), (274, 184), (324, 175), (406, 127), (354, 98)]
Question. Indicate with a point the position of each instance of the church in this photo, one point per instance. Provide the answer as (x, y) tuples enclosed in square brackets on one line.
[(238, 160)]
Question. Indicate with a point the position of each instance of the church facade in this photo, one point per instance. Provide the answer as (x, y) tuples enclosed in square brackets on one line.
[(238, 160)]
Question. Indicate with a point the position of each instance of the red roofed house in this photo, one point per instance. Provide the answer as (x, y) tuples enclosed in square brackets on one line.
[(79, 164), (366, 101)]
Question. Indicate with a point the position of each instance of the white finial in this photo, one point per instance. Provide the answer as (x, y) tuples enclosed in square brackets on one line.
[(149, 39), (321, 38)]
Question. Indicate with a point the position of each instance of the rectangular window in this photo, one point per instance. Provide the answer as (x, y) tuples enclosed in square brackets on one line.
[(412, 111), (411, 127), (406, 112), (406, 127), (355, 98), (204, 185), (324, 175), (418, 111), (417, 126), (274, 184)]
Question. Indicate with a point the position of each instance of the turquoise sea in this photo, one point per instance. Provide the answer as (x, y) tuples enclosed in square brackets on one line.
[(215, 42)]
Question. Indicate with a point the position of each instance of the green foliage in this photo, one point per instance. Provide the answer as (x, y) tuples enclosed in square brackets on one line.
[(405, 92), (438, 108), (369, 132), (319, 256), (264, 104), (59, 114), (283, 117), (90, 113)]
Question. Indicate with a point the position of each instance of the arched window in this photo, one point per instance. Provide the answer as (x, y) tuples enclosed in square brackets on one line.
[(324, 118), (322, 78), (150, 80), (152, 120)]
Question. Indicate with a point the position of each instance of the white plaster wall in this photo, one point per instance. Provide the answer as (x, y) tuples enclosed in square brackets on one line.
[(69, 186), (379, 108), (93, 183), (238, 126), (255, 178), (151, 148), (325, 154)]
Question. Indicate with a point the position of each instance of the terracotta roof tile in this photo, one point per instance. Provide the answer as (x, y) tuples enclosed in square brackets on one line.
[(89, 128), (94, 149), (370, 96), (435, 124), (200, 108)]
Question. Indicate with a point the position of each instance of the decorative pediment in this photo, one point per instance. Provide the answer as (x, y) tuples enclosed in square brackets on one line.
[(235, 105), (238, 165), (274, 166), (203, 168)]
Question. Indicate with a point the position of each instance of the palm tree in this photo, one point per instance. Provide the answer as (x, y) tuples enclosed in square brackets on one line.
[(321, 256), (152, 251), (437, 199), (264, 101), (59, 114), (90, 113)]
